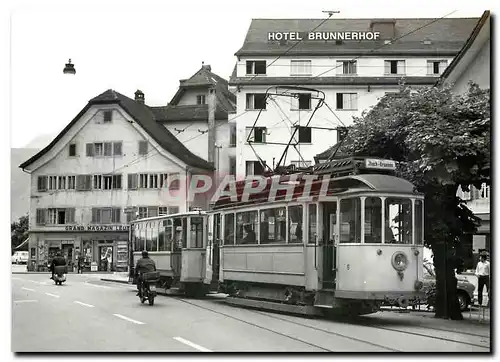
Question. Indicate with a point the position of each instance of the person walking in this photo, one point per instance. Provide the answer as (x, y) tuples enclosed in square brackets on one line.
[(483, 278)]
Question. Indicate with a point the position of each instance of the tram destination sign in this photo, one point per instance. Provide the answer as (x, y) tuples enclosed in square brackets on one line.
[(91, 228), (374, 163)]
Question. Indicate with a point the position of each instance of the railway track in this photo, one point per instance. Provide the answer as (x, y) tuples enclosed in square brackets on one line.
[(358, 321)]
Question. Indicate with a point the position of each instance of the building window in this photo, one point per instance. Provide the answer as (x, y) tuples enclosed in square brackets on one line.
[(143, 181), (394, 67), (163, 180), (60, 216), (257, 134), (201, 99), (72, 150), (132, 181), (301, 101), (41, 216), (347, 101), (106, 149), (254, 168), (256, 67), (97, 184), (346, 67), (108, 116), (108, 182), (301, 67), (301, 164), (107, 215), (42, 183), (305, 135), (173, 210), (232, 166), (143, 148), (52, 182), (232, 134), (61, 184), (256, 101), (71, 182), (436, 67), (163, 210), (143, 212)]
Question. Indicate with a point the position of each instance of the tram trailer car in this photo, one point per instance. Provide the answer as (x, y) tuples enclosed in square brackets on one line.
[(178, 245), (356, 244)]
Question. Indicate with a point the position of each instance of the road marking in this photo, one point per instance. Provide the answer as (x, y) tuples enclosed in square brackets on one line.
[(53, 295), (31, 290), (37, 282), (14, 278), (85, 304), (127, 319), (25, 301), (98, 286), (191, 344)]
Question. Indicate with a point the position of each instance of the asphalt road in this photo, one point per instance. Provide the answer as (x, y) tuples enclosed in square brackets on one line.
[(89, 315)]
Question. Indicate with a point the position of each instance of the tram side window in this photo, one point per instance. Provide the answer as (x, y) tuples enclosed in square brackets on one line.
[(134, 237), (350, 220), (419, 215), (246, 227), (312, 223), (229, 229), (216, 230), (398, 221), (154, 236), (196, 232), (161, 237), (169, 234), (149, 237), (373, 220), (140, 237), (273, 226), (295, 229)]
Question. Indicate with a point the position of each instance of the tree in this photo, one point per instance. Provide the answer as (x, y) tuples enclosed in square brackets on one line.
[(19, 233), (441, 141)]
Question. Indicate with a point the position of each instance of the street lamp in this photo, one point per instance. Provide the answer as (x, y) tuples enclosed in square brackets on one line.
[(69, 68)]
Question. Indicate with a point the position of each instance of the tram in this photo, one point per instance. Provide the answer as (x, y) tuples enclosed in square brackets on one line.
[(178, 245), (346, 235)]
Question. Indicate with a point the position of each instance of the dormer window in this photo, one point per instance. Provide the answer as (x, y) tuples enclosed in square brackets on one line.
[(256, 67), (201, 99)]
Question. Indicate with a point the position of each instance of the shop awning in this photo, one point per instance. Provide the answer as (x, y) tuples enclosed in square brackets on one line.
[(22, 244)]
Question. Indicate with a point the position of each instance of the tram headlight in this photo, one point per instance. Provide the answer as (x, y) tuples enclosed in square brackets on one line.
[(399, 261)]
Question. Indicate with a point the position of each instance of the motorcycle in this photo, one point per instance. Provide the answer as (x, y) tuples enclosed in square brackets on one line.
[(148, 287), (60, 272)]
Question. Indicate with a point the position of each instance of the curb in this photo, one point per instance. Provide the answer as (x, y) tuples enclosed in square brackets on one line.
[(88, 273), (115, 280)]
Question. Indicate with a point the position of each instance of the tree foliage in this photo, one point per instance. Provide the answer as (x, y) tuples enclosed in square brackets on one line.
[(441, 141), (19, 233)]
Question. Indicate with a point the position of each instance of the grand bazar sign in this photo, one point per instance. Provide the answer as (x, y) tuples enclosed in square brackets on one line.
[(97, 228)]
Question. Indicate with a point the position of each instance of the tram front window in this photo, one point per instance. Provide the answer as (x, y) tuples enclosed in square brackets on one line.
[(398, 221), (419, 218), (373, 220), (196, 232), (312, 223), (295, 224), (350, 220)]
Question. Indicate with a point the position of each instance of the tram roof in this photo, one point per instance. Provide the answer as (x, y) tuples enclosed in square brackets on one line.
[(160, 217), (385, 183)]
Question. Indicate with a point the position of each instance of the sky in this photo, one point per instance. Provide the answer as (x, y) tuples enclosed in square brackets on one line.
[(124, 46)]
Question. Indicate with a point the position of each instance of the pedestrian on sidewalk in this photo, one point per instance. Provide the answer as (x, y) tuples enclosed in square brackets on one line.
[(483, 278)]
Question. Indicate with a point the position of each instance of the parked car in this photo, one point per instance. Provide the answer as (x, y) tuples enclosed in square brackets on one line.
[(20, 257), (465, 289)]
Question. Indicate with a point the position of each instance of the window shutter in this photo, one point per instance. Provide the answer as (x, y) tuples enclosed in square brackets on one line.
[(108, 148), (89, 149), (340, 103), (117, 181), (143, 147), (132, 181), (387, 67), (401, 67), (70, 216), (42, 183), (152, 211), (87, 182), (80, 182), (442, 66), (430, 68), (94, 215), (117, 148), (40, 216)]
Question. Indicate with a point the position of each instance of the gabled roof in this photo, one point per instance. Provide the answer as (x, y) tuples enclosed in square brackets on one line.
[(446, 35), (186, 113), (144, 117), (468, 44), (326, 154)]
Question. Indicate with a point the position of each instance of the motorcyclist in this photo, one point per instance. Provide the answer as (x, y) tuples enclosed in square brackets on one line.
[(58, 260), (144, 265)]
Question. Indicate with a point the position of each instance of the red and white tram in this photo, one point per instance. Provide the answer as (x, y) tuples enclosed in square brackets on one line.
[(349, 240)]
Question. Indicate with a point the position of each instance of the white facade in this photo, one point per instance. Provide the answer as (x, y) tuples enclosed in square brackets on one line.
[(282, 113)]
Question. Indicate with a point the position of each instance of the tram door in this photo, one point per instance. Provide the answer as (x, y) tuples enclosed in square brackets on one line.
[(329, 250), (179, 242)]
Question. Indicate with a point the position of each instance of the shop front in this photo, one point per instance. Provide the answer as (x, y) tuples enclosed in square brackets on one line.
[(98, 248)]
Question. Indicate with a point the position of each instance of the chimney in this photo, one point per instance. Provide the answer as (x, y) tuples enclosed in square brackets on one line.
[(206, 67), (386, 28), (211, 125), (139, 96)]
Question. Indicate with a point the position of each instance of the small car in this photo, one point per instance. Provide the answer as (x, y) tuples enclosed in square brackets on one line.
[(20, 257), (465, 289)]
